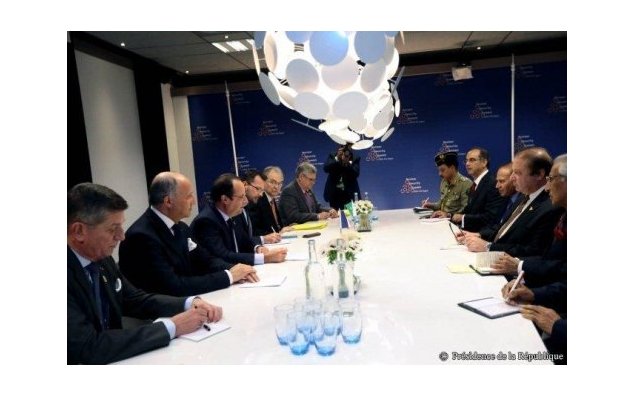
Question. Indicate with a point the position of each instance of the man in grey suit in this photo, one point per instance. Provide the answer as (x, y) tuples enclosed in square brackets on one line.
[(298, 203), (98, 295)]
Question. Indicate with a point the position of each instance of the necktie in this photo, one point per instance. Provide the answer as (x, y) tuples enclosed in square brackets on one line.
[(274, 210), (511, 219), (179, 237), (507, 211), (560, 229), (249, 226), (233, 233), (309, 201), (472, 188), (102, 303)]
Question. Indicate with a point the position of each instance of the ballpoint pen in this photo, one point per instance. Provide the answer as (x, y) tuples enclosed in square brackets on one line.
[(519, 278), (206, 326)]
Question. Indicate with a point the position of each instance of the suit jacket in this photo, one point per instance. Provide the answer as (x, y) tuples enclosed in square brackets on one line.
[(293, 206), (485, 205), (336, 171), (246, 238), (154, 260), (554, 296), (549, 268), (262, 216), (87, 342), (531, 233), (212, 233)]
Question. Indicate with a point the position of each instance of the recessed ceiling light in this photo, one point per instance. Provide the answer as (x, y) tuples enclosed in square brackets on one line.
[(226, 36), (479, 48), (122, 44), (220, 47), (186, 71)]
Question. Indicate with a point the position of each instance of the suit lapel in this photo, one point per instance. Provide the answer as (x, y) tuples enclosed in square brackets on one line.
[(165, 234), (79, 276), (108, 282)]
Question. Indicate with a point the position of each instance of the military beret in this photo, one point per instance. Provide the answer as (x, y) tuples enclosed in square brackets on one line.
[(448, 158)]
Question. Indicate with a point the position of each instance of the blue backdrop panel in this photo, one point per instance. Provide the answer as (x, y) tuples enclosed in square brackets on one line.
[(437, 114), (541, 104), (211, 140)]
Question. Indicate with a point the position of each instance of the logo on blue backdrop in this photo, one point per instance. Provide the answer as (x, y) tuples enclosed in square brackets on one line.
[(559, 104), (238, 99), (308, 156), (482, 110), (269, 128), (244, 165), (202, 134), (522, 142), (408, 116), (377, 153), (446, 79), (448, 145), (411, 186), (527, 71)]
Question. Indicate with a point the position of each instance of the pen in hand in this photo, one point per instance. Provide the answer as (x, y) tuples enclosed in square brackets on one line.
[(517, 281), (425, 202), (206, 327)]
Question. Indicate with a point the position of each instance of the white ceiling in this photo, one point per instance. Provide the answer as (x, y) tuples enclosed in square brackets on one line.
[(193, 52)]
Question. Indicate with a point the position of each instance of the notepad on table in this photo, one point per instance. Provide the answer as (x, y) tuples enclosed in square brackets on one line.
[(460, 269), (311, 225), (490, 307), (266, 280), (202, 333), (434, 220), (296, 257), (277, 243), (484, 260)]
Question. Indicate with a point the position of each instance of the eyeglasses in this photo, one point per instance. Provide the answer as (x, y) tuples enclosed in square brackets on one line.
[(551, 178), (258, 189), (312, 179), (275, 183), (468, 160)]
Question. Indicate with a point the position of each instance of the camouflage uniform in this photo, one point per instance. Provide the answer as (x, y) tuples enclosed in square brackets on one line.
[(454, 196)]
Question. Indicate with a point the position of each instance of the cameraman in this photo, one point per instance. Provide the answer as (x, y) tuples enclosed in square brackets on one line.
[(343, 170)]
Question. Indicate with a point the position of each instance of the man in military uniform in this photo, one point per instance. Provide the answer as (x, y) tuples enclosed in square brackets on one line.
[(454, 187)]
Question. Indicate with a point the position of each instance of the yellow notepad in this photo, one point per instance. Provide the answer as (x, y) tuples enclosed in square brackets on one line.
[(311, 225), (460, 269)]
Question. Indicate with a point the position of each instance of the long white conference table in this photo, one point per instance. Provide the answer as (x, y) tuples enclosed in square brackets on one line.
[(408, 298)]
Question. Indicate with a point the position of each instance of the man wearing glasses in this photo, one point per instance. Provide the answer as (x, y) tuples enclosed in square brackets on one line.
[(216, 230), (254, 185), (298, 203), (265, 212)]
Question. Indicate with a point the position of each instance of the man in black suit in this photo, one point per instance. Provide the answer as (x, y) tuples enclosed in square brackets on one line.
[(343, 170), (485, 203), (215, 229), (541, 270), (298, 203), (265, 213), (254, 188), (528, 231), (98, 295), (546, 306), (158, 254)]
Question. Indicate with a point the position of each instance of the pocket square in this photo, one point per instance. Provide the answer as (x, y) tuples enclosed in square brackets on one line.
[(191, 245)]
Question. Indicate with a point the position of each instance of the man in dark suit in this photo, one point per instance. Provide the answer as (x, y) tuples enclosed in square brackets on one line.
[(527, 232), (546, 306), (265, 213), (541, 270), (254, 188), (485, 202), (343, 170), (98, 295), (215, 229), (298, 203), (158, 254)]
